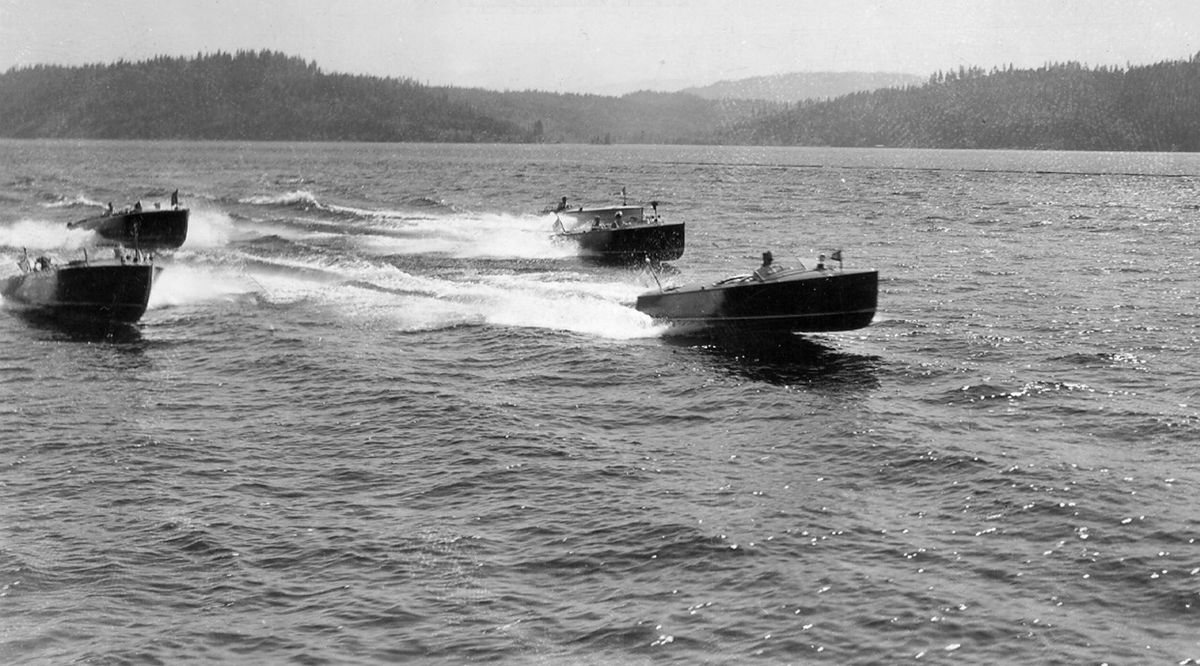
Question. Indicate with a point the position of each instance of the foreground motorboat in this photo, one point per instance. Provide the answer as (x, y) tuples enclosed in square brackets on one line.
[(108, 290), (793, 300), (620, 234), (147, 230)]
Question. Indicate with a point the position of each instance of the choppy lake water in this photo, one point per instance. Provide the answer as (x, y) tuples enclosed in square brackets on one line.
[(375, 415)]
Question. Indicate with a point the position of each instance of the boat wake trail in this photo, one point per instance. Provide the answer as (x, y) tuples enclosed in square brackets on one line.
[(467, 237), (400, 272), (416, 226), (186, 284), (209, 228), (427, 267), (296, 199), (375, 290), (78, 201), (39, 235), (550, 302)]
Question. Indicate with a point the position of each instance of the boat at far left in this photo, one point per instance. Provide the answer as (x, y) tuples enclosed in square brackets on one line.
[(115, 290), (145, 229)]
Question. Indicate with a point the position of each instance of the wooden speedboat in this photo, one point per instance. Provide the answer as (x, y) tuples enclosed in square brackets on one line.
[(147, 230), (109, 290), (796, 300), (620, 234)]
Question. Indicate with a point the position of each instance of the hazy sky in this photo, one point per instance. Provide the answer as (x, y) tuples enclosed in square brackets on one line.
[(607, 46)]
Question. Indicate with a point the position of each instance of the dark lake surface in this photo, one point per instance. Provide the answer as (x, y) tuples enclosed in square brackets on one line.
[(374, 414)]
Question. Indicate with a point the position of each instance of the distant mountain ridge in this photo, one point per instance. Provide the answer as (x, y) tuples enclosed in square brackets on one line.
[(800, 86)]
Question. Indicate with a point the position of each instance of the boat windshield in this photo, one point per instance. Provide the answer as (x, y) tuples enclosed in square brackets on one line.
[(778, 274), (736, 278)]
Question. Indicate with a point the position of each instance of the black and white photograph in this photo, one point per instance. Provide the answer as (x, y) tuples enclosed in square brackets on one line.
[(599, 332)]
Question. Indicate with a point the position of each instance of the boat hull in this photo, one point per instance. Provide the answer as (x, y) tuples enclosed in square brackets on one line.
[(633, 244), (147, 230), (807, 301), (109, 292)]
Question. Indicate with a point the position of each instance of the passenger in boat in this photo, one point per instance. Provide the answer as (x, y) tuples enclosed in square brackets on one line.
[(175, 199), (767, 268), (617, 221), (137, 207), (110, 209), (821, 262), (596, 223)]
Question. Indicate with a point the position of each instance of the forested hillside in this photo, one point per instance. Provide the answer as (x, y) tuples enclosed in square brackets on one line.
[(271, 96), (641, 117), (1065, 106), (264, 95)]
